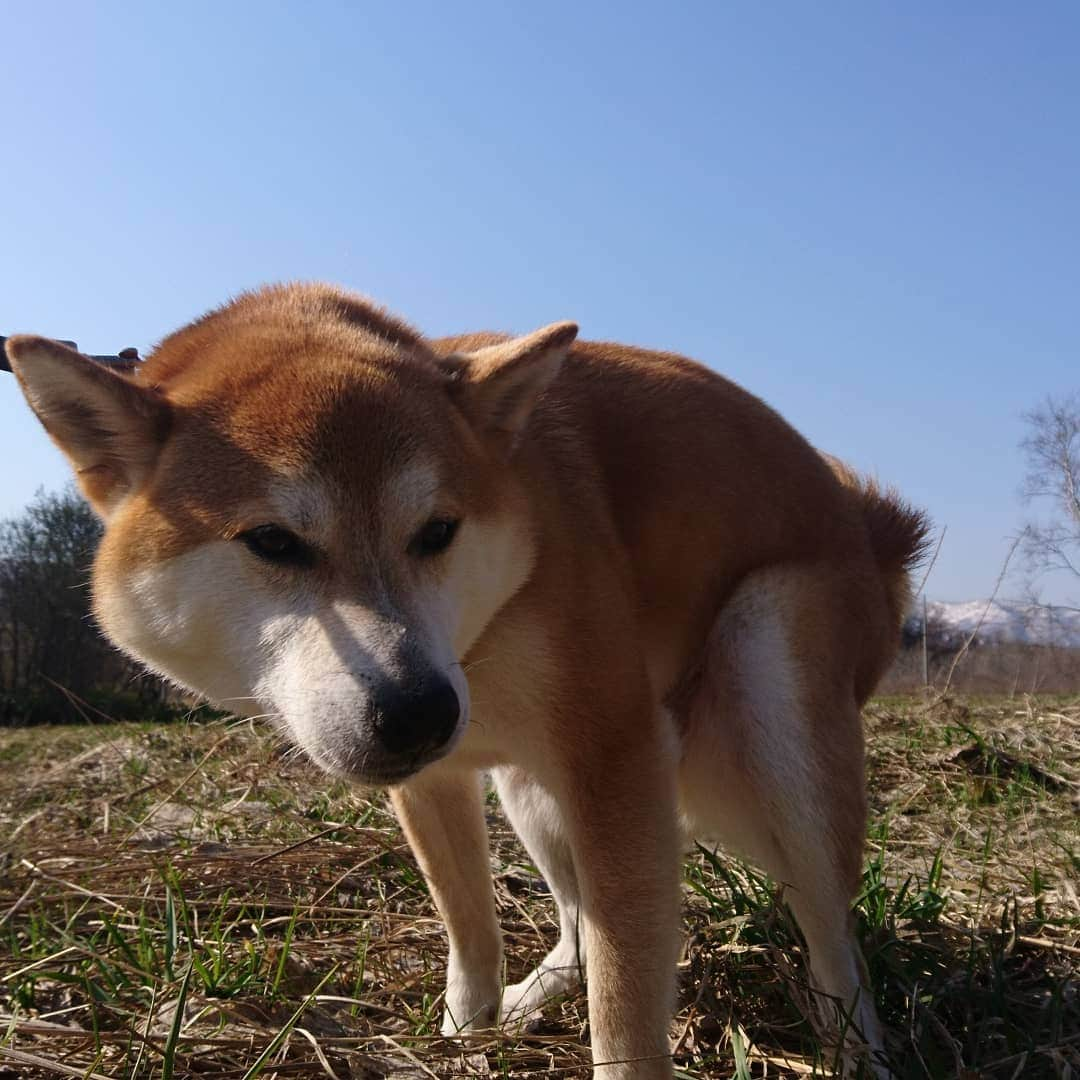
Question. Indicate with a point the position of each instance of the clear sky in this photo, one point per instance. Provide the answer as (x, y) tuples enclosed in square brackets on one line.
[(868, 214)]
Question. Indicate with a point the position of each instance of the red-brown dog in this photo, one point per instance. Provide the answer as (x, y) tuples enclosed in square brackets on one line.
[(669, 605)]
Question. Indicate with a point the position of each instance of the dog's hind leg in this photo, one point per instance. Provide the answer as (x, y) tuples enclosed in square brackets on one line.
[(773, 768), (442, 814), (536, 818)]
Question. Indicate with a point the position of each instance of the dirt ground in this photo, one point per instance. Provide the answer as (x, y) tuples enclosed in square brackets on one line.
[(192, 899)]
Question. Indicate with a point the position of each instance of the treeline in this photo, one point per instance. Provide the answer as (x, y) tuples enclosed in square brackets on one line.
[(54, 664)]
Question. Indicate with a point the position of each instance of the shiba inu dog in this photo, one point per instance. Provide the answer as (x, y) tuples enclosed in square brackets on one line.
[(611, 578)]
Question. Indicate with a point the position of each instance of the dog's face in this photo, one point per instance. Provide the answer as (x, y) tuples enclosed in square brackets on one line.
[(307, 515)]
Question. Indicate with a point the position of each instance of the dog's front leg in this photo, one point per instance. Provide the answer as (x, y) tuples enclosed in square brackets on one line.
[(625, 841), (442, 813), (538, 819)]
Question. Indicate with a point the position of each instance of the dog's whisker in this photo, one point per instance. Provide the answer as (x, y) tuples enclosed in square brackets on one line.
[(466, 668)]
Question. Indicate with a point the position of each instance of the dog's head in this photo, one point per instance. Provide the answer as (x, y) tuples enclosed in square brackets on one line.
[(308, 513)]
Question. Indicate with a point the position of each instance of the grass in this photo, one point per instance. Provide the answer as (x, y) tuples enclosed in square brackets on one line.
[(188, 900)]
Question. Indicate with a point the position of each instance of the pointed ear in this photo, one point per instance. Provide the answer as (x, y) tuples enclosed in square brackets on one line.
[(498, 385), (109, 427)]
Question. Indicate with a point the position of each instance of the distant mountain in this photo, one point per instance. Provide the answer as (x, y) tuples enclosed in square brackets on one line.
[(1006, 622)]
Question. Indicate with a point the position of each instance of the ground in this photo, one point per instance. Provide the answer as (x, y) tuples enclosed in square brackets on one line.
[(190, 899)]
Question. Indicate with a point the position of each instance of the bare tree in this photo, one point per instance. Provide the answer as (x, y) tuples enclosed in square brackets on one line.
[(45, 632), (54, 665), (1052, 453)]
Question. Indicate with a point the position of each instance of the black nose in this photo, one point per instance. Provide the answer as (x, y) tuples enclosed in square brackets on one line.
[(414, 719)]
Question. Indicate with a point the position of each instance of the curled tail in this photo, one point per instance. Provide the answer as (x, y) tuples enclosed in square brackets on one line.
[(899, 534)]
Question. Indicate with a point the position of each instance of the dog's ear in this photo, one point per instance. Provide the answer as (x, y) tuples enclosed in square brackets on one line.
[(498, 385), (108, 426)]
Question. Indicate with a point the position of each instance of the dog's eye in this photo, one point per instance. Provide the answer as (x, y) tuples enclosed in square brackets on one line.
[(434, 538), (275, 544)]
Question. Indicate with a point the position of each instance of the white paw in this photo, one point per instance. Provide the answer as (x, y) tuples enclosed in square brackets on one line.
[(561, 973), (478, 1019), (471, 1005)]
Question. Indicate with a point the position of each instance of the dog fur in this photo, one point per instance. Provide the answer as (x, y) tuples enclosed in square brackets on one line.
[(669, 607)]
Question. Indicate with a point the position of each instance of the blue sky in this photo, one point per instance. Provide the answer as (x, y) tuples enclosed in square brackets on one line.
[(868, 214)]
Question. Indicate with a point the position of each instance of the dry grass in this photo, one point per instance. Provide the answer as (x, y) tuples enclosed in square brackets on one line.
[(186, 900)]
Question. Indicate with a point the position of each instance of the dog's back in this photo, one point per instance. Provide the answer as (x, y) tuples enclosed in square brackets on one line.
[(704, 484)]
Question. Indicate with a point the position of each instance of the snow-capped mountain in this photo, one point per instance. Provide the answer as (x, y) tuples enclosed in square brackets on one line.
[(1005, 621)]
